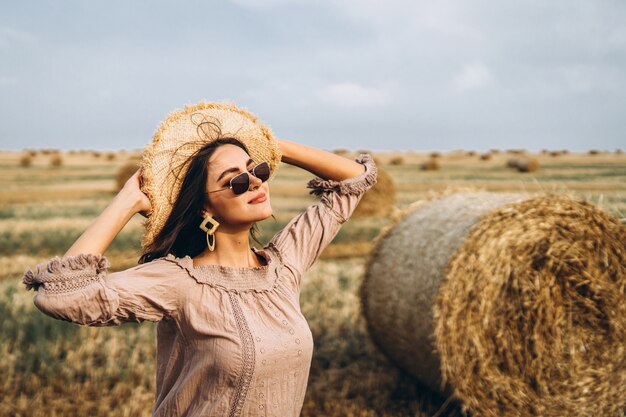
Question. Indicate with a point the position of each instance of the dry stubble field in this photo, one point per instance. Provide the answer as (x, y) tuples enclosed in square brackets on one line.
[(53, 368)]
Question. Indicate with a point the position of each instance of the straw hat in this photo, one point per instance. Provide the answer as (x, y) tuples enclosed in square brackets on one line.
[(183, 133)]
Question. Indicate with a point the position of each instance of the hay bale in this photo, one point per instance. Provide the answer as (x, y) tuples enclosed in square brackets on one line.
[(512, 162), (430, 165), (56, 160), (396, 160), (527, 165), (110, 156), (485, 156), (515, 303), (124, 173), (341, 152), (380, 200), (26, 160)]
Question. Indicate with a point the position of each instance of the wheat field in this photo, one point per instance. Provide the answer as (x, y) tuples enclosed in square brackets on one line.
[(54, 368)]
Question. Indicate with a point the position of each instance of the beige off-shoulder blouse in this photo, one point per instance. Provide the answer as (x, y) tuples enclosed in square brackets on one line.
[(230, 341)]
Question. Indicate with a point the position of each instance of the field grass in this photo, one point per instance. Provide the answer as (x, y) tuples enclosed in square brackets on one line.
[(53, 368)]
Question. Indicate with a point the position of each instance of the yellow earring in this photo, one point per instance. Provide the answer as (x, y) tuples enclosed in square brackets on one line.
[(209, 231)]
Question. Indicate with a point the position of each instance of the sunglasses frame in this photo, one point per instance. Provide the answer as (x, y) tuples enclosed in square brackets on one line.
[(247, 174)]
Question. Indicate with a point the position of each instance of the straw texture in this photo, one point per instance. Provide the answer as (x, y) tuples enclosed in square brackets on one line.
[(517, 303), (183, 133)]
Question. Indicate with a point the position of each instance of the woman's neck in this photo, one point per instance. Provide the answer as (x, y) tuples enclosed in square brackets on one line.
[(232, 248)]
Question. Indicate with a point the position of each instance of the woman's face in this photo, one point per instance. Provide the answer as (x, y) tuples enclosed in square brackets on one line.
[(226, 162)]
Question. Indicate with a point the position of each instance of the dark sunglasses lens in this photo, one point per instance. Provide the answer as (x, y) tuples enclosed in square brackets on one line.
[(240, 183), (262, 171)]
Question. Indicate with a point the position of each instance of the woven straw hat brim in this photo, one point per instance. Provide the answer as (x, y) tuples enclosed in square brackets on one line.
[(183, 133)]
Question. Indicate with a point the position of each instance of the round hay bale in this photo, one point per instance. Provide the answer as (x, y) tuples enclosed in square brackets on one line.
[(485, 156), (124, 173), (26, 160), (396, 160), (56, 160), (527, 165), (512, 162), (380, 200), (430, 165), (515, 303)]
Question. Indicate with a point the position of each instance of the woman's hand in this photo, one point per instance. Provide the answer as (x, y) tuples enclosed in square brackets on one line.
[(99, 235), (131, 191)]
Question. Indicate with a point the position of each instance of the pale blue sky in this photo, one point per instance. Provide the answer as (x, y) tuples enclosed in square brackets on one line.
[(367, 74)]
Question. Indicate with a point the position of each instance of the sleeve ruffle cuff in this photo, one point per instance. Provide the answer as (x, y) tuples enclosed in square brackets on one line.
[(67, 273), (356, 185)]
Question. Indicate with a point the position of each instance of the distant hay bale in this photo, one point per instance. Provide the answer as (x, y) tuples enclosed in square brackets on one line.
[(618, 151), (110, 156), (515, 303), (527, 165), (555, 153), (435, 155), (396, 160), (124, 173), (494, 151), (26, 160), (96, 154), (470, 153), (430, 165), (341, 152), (523, 164), (380, 200), (594, 152), (485, 156), (56, 160)]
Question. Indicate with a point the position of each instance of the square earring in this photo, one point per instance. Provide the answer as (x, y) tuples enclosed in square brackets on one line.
[(209, 230)]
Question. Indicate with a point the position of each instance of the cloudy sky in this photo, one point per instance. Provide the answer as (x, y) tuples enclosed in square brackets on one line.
[(366, 74)]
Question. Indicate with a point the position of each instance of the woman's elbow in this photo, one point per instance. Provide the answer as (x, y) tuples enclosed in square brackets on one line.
[(75, 308)]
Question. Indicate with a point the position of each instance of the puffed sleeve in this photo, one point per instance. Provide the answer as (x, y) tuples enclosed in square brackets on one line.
[(79, 289), (302, 240)]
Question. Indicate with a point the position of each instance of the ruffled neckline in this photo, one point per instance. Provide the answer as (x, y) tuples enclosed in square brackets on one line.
[(230, 278)]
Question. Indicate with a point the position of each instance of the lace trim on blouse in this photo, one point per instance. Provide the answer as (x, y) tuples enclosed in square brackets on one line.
[(235, 279), (245, 376), (67, 273), (356, 185)]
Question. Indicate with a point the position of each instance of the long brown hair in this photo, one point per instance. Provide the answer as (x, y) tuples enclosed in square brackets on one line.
[(181, 234)]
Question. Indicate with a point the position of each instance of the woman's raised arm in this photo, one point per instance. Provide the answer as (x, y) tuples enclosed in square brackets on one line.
[(99, 235), (324, 164)]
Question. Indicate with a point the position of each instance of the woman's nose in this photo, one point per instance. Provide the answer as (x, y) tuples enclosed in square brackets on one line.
[(254, 182)]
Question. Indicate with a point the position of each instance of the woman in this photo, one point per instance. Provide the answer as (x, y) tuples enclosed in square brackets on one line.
[(231, 339)]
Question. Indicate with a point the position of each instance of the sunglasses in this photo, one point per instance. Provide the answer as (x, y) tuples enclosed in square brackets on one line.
[(241, 183)]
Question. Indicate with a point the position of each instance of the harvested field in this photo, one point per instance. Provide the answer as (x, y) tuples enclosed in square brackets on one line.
[(53, 367)]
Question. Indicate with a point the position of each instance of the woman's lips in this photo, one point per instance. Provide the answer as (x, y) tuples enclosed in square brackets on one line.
[(259, 199)]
